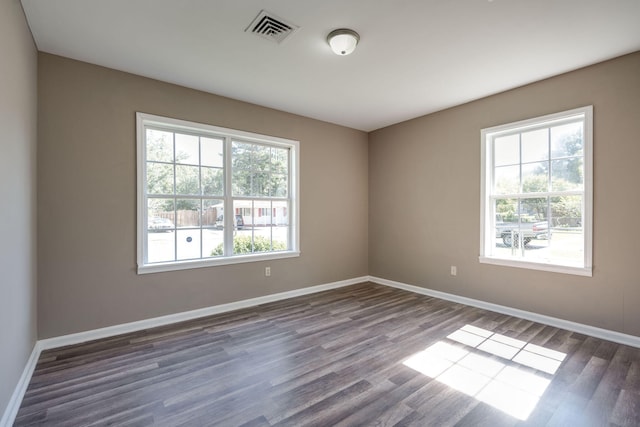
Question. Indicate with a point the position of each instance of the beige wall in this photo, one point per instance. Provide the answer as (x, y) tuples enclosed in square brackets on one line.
[(424, 195), (87, 201), (418, 181), (18, 117)]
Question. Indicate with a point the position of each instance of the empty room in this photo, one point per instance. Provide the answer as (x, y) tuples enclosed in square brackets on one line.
[(289, 213)]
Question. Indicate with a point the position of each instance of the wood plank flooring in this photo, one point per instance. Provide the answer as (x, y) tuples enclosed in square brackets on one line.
[(363, 355)]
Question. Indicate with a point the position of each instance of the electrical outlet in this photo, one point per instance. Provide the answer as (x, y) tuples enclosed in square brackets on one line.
[(267, 271), (454, 270)]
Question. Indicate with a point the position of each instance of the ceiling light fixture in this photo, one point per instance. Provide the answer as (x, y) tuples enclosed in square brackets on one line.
[(343, 41)]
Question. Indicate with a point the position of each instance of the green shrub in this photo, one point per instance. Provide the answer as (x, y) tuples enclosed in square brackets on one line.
[(242, 245)]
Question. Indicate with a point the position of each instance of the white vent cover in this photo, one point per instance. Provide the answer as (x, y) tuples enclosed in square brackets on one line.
[(271, 27)]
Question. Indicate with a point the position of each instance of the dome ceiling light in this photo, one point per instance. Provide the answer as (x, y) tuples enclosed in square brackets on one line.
[(343, 41)]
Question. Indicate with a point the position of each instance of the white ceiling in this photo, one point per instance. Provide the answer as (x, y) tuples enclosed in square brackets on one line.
[(414, 57)]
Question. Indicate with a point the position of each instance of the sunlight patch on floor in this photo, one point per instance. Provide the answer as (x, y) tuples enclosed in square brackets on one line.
[(508, 374)]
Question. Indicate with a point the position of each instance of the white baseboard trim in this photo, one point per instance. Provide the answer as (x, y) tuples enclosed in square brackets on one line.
[(16, 399), (11, 411), (124, 328), (605, 334)]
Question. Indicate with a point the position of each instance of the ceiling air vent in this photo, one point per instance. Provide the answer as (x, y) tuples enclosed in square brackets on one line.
[(270, 27)]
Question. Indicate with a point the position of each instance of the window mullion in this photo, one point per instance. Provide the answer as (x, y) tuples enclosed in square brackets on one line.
[(519, 199), (201, 200), (253, 225), (229, 214), (521, 181), (143, 205), (292, 188), (175, 201), (549, 184), (271, 225)]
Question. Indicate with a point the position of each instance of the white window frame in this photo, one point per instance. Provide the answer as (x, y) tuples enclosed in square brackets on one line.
[(487, 235), (144, 120)]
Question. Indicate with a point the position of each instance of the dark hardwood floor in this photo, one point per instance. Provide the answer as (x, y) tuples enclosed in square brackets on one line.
[(362, 355)]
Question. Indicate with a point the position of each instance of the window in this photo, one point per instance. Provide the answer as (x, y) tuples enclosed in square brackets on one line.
[(537, 193), (190, 175)]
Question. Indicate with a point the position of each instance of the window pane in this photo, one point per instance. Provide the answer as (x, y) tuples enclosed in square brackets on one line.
[(160, 230), (533, 210), (243, 236), (188, 244), (568, 234), (242, 211), (212, 152), (534, 229), (506, 210), (262, 157), (212, 181), (280, 220), (159, 146), (566, 140), (187, 149), (506, 221), (161, 247), (265, 226), (507, 180), (279, 161), (254, 226), (187, 180), (187, 213), (260, 182), (242, 168), (518, 224), (242, 151), (262, 213), (261, 170), (252, 169), (161, 214), (211, 211), (213, 235), (241, 183), (279, 185), (159, 178), (535, 177), (507, 150), (566, 212), (567, 174), (262, 239), (212, 242), (535, 145)]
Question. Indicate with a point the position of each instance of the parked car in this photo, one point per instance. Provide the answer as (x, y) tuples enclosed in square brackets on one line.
[(509, 232), (238, 222), (160, 224)]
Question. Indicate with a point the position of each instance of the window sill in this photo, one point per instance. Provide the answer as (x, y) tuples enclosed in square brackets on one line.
[(191, 264), (555, 268)]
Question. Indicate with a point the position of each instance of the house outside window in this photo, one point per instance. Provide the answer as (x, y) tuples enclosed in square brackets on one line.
[(536, 184), (191, 174)]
